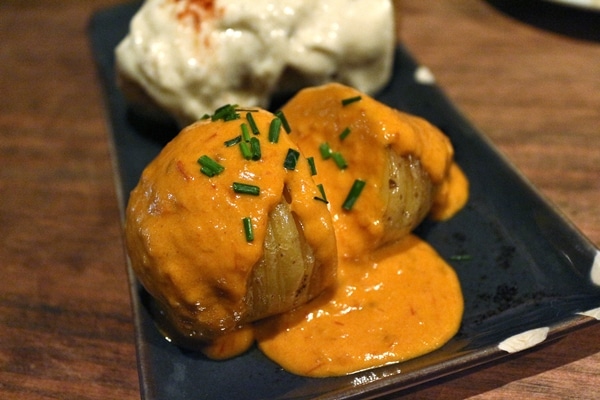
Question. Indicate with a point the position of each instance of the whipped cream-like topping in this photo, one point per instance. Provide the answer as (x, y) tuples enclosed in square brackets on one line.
[(192, 56)]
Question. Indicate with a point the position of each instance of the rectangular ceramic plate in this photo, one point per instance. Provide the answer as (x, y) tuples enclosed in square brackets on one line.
[(527, 268)]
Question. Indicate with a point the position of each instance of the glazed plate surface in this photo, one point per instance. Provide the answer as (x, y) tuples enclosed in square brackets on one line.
[(526, 273)]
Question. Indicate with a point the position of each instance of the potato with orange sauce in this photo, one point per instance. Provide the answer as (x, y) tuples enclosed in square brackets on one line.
[(223, 229), (406, 164), (223, 237), (383, 171)]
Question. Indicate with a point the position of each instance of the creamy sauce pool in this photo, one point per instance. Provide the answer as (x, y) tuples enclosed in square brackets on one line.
[(398, 303)]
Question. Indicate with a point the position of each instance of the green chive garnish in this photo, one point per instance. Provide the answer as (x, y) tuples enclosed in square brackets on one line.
[(252, 123), (345, 133), (244, 188), (355, 191), (284, 121), (325, 150), (461, 257), (234, 141), (209, 166), (255, 148), (274, 130), (245, 149), (313, 167), (291, 159), (323, 197), (350, 100), (208, 172), (339, 160), (248, 231), (245, 132), (226, 113)]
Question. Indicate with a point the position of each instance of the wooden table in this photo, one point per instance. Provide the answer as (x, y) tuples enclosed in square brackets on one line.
[(527, 79)]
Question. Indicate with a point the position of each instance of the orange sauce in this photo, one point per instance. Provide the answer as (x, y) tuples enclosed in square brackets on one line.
[(398, 303)]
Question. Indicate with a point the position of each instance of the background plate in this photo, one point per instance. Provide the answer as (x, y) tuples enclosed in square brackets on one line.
[(593, 5), (527, 267)]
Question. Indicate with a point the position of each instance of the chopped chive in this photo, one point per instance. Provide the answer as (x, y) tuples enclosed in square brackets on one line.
[(252, 123), (248, 230), (274, 130), (461, 257), (291, 159), (339, 160), (345, 133), (226, 113), (355, 191), (208, 172), (209, 166), (284, 121), (233, 142), (245, 149), (325, 150), (323, 197), (245, 132), (255, 148), (351, 100), (244, 188), (313, 167)]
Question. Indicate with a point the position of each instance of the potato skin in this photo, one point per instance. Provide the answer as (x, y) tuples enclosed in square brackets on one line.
[(288, 274), (410, 196)]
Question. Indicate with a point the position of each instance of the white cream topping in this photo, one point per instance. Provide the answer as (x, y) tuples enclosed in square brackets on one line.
[(192, 56)]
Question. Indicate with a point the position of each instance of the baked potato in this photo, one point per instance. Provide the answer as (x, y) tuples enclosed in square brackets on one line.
[(220, 238), (402, 161)]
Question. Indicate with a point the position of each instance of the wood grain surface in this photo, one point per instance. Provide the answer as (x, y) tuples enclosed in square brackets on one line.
[(525, 73)]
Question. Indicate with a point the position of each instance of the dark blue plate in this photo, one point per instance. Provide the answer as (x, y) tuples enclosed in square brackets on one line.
[(527, 268)]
